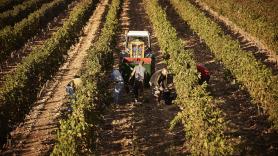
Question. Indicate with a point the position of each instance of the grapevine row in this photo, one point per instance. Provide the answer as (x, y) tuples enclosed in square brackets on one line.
[(202, 121), (8, 4), (77, 134), (259, 18), (255, 76), (12, 38), (21, 87), (19, 12)]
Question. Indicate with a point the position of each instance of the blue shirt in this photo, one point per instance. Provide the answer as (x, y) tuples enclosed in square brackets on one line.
[(117, 76), (70, 90)]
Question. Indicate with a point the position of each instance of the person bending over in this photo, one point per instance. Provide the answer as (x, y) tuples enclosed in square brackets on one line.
[(159, 83)]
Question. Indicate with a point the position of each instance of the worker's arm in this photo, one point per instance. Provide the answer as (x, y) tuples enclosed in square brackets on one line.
[(131, 75), (129, 66), (162, 81), (165, 84)]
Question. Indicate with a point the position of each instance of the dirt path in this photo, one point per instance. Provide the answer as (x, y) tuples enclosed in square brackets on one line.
[(246, 40), (139, 129), (36, 135), (17, 56), (245, 126)]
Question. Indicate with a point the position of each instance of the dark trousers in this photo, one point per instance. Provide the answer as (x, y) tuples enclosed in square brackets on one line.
[(138, 86)]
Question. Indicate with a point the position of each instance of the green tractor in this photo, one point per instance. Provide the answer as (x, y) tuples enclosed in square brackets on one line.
[(137, 48)]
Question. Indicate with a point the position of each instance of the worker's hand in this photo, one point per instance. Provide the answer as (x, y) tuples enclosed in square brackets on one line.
[(170, 85)]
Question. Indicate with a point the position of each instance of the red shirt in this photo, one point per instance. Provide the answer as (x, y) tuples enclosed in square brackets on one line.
[(202, 69)]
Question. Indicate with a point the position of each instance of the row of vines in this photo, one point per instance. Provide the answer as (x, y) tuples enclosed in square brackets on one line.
[(255, 76), (8, 4), (259, 18), (21, 86), (77, 133), (202, 121), (12, 38), (19, 12)]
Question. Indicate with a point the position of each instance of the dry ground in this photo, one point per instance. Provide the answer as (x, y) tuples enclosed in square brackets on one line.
[(139, 129), (36, 135)]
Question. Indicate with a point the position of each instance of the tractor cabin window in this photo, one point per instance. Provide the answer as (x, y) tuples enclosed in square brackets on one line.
[(138, 50)]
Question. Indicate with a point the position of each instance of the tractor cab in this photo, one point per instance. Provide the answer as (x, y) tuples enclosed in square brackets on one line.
[(137, 48)]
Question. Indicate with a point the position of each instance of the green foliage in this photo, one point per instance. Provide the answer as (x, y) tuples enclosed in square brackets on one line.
[(77, 134), (202, 121), (12, 38), (259, 18), (21, 87), (8, 4), (19, 12), (255, 76)]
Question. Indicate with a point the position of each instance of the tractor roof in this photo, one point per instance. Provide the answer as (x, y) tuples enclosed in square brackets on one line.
[(138, 33)]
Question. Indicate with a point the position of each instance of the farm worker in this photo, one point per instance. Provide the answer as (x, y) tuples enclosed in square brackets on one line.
[(139, 73), (159, 83), (148, 52), (126, 70), (205, 75), (70, 89), (119, 84)]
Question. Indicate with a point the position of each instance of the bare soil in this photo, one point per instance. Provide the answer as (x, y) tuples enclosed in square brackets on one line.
[(36, 135), (247, 129), (139, 129)]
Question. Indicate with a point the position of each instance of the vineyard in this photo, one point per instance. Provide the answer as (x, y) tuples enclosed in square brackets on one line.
[(44, 44)]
